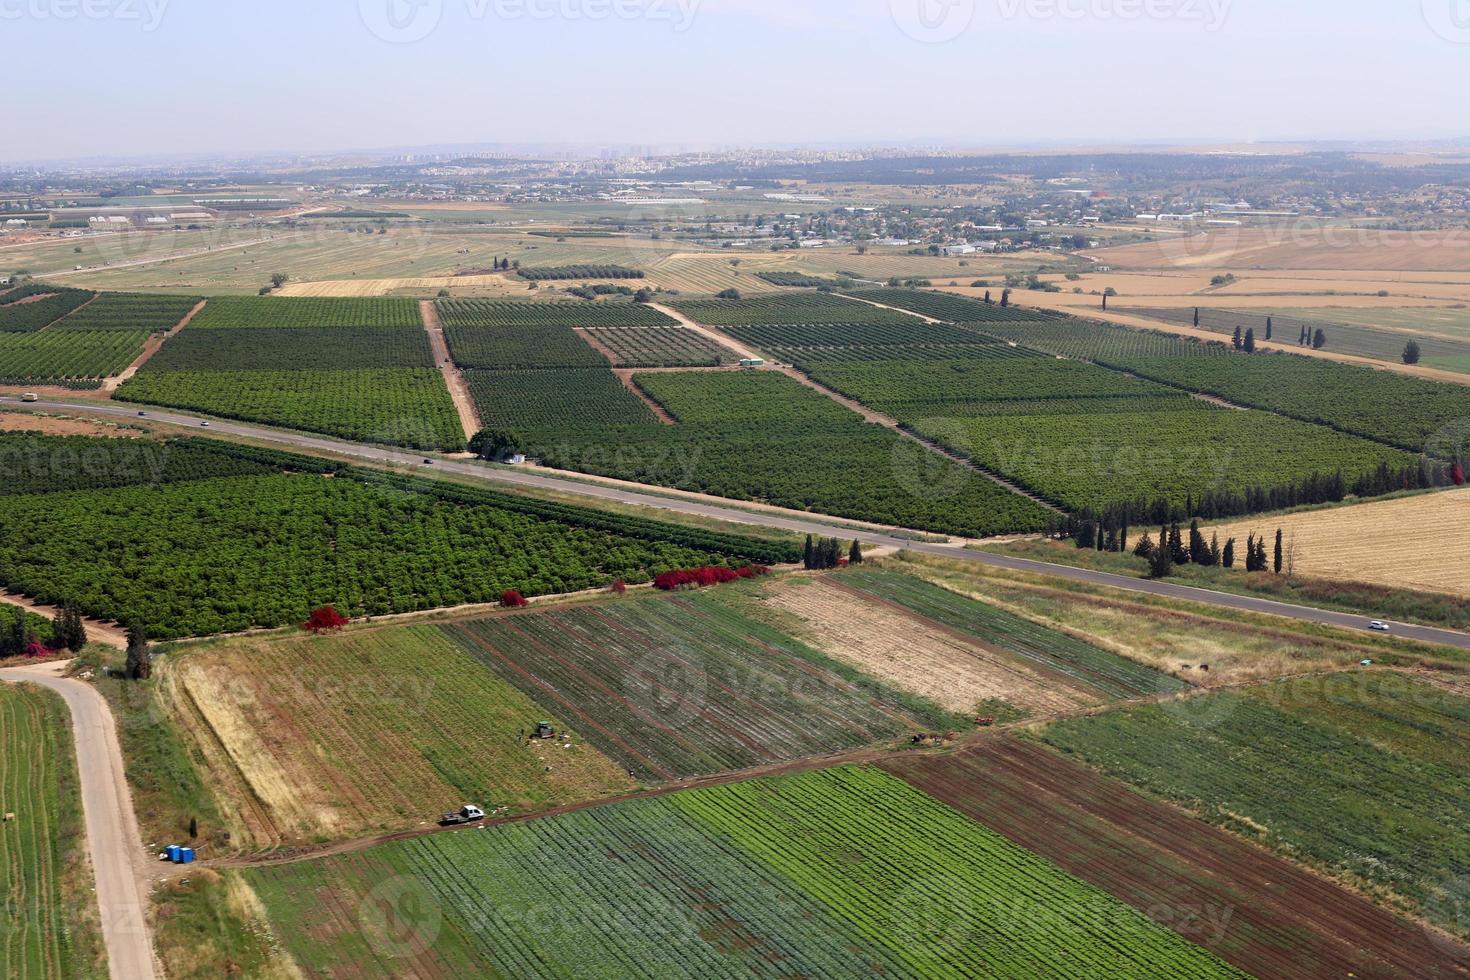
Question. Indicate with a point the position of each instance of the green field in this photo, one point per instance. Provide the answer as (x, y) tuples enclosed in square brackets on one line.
[(832, 874), (1365, 775), (130, 311), (579, 401), (225, 553), (661, 347), (690, 686), (277, 313), (48, 925), (765, 437)]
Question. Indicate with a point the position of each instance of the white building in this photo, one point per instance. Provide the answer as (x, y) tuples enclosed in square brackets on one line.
[(964, 248)]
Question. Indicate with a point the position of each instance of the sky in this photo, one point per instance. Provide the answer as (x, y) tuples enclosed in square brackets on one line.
[(164, 78)]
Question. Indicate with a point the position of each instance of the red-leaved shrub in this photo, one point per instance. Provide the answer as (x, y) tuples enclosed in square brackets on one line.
[(619, 587), (705, 576), (36, 650), (511, 599), (325, 620)]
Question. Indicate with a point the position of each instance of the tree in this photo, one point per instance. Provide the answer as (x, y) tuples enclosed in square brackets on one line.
[(496, 445), (73, 636), (855, 554), (1412, 353), (1196, 317), (809, 554), (1145, 547), (1250, 341), (1160, 563), (139, 665), (279, 279), (1105, 302), (1269, 328), (1178, 554), (1227, 557), (1214, 552), (325, 620), (728, 294), (511, 599), (193, 828), (1302, 340), (1239, 339), (1319, 341), (1005, 297), (987, 299), (1199, 552), (1280, 556), (644, 295)]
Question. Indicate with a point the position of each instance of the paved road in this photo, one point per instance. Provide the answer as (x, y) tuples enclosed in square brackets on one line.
[(797, 523), (113, 840)]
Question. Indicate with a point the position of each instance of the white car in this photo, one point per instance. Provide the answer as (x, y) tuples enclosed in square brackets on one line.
[(1378, 626)]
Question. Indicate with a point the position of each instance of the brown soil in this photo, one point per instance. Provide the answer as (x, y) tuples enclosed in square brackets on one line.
[(1251, 908), (459, 390), (152, 346), (625, 375)]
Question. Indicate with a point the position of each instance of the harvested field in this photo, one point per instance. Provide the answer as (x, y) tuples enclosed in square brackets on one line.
[(53, 426), (1256, 912), (1300, 247), (918, 655), (372, 730), (1367, 542)]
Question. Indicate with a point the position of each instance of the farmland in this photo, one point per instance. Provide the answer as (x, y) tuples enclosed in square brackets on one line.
[(1357, 543), (130, 312), (545, 273), (383, 725), (691, 686), (56, 355), (1259, 913), (33, 306), (645, 347), (228, 553), (277, 313), (48, 923), (806, 308), (690, 885), (1063, 659), (947, 306), (1081, 436), (801, 343), (739, 434), (549, 403), (359, 369), (490, 313), (1283, 764)]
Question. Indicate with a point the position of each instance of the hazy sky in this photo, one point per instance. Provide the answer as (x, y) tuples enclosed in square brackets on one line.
[(159, 77)]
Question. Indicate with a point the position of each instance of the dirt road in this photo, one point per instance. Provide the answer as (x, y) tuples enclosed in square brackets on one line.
[(113, 839), (153, 345), (459, 390), (97, 631)]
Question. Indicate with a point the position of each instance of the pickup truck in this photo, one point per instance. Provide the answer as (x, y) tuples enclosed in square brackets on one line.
[(464, 815)]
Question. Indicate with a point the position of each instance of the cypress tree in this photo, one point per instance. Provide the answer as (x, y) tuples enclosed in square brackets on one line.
[(1160, 563), (1177, 553), (1198, 550), (60, 628), (1239, 339), (1196, 317), (1269, 328), (808, 554), (1280, 560), (1145, 547), (1227, 558), (1214, 551), (855, 555), (1250, 341), (1320, 340)]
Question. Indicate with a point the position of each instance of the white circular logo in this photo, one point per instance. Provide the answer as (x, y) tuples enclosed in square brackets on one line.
[(400, 918), (1450, 19), (401, 21), (673, 692), (933, 21)]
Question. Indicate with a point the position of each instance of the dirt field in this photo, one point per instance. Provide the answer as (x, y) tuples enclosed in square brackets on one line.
[(310, 738), (54, 426), (917, 656), (1256, 911), (1414, 543), (1300, 247)]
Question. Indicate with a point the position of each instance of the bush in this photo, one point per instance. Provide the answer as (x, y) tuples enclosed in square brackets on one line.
[(705, 577), (511, 599), (325, 620)]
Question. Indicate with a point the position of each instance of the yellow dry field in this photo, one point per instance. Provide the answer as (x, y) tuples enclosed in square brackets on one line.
[(918, 656), (54, 426), (310, 738), (1300, 247), (1413, 543), (1170, 640)]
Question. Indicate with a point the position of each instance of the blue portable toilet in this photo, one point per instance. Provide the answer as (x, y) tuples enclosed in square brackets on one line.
[(186, 855), (175, 853)]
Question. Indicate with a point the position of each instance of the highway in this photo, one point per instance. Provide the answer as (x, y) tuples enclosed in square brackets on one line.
[(793, 521)]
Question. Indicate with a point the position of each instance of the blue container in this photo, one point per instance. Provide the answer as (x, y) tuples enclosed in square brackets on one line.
[(175, 853), (186, 855)]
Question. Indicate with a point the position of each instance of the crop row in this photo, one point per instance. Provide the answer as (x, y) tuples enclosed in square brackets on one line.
[(883, 334), (547, 345), (832, 874), (1090, 341), (299, 349), (1103, 671), (40, 922), (580, 272), (804, 356), (130, 311), (555, 401), (20, 312), (54, 354), (660, 347), (947, 306), (788, 308), (278, 312), (34, 463), (396, 407), (765, 437), (677, 688), (220, 555), (503, 313), (796, 280), (1397, 747)]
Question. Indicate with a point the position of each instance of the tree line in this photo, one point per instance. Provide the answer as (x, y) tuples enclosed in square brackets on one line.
[(823, 553)]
